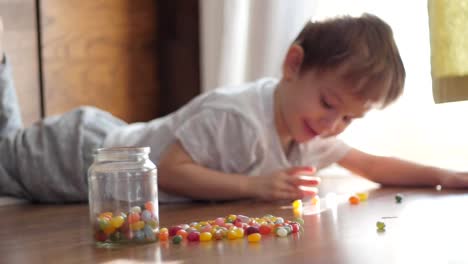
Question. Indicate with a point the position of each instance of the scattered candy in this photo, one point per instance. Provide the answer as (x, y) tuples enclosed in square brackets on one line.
[(354, 199), (399, 197), (205, 236), (281, 232), (380, 226), (362, 196), (177, 239), (253, 238)]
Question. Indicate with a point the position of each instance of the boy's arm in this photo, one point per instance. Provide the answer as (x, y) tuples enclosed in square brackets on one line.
[(179, 174), (393, 171)]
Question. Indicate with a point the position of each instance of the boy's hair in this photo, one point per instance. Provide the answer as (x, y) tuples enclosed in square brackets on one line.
[(364, 46)]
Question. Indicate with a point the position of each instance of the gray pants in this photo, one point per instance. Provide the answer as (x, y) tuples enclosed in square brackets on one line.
[(48, 161)]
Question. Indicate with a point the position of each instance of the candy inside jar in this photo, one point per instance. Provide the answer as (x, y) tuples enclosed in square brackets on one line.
[(123, 197)]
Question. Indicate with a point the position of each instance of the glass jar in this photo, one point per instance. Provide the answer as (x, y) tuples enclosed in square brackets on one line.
[(123, 196)]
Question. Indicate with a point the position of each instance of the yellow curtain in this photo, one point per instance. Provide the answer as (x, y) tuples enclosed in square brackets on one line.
[(448, 24)]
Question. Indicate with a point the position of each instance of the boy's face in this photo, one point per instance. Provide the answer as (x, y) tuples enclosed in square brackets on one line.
[(317, 103)]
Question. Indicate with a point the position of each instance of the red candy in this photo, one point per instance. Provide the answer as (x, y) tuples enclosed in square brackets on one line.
[(173, 230), (193, 236)]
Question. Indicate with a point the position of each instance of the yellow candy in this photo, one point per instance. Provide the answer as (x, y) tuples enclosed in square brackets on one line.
[(117, 221), (362, 196), (232, 235), (239, 232), (163, 230), (255, 237), (297, 204), (137, 226), (205, 236)]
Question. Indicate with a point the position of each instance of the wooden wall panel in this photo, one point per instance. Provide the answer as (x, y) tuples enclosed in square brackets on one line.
[(101, 53), (21, 47)]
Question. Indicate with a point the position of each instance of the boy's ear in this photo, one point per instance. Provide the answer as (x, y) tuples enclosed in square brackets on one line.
[(293, 61)]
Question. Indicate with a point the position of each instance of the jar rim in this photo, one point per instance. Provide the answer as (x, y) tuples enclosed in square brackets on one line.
[(123, 150)]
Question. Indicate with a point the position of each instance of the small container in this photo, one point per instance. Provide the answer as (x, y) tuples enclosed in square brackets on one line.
[(123, 196)]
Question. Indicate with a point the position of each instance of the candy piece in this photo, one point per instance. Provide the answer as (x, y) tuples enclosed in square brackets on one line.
[(398, 197), (239, 232), (133, 218), (281, 232), (220, 234), (251, 230), (353, 199), (205, 236), (182, 233), (149, 206), (103, 223), (315, 200), (295, 227), (149, 233), (135, 209), (297, 204), (100, 236), (193, 236), (137, 226), (173, 230), (253, 238), (438, 187), (219, 221), (243, 218), (231, 218), (362, 196), (117, 221), (107, 215), (264, 230), (380, 226), (279, 220), (231, 235), (163, 236), (146, 216), (177, 239), (299, 221), (139, 235)]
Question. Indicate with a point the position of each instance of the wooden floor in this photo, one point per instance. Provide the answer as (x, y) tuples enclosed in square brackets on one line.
[(429, 226)]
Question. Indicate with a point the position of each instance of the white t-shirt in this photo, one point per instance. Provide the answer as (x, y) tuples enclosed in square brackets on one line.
[(229, 129)]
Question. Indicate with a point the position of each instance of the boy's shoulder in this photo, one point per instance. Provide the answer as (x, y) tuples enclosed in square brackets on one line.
[(242, 98)]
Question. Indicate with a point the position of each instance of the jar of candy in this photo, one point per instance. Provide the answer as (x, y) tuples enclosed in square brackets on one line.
[(123, 196)]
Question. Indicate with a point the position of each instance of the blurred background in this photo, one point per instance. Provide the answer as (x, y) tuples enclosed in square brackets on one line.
[(142, 59)]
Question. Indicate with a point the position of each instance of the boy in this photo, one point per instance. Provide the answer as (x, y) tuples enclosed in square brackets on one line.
[(270, 130)]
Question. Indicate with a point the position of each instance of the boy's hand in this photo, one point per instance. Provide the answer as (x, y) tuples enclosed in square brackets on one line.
[(290, 184), (455, 180)]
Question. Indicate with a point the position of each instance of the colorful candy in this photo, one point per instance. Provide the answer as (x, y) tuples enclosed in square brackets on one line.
[(138, 225), (362, 196), (398, 197), (380, 226), (253, 238), (354, 199)]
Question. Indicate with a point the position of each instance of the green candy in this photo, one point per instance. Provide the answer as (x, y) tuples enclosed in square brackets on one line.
[(177, 239), (380, 226), (398, 198)]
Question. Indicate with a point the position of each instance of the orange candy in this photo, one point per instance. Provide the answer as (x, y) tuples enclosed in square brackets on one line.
[(182, 233), (354, 199), (163, 236)]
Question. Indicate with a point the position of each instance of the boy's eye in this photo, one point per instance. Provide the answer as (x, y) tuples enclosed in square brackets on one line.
[(325, 104)]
